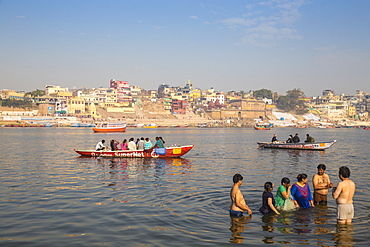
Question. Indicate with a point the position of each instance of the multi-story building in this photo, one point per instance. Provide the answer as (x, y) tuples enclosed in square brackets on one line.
[(51, 89), (123, 91), (216, 96), (179, 106)]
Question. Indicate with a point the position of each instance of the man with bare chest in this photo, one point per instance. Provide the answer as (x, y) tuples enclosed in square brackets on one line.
[(321, 184), (343, 194), (238, 205)]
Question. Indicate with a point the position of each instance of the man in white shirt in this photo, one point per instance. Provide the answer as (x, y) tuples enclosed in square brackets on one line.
[(131, 144), (100, 146)]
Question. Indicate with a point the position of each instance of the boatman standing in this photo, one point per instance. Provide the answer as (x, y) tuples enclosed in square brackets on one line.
[(238, 204)]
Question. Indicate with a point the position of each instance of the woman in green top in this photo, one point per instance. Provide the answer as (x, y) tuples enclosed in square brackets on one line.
[(282, 193)]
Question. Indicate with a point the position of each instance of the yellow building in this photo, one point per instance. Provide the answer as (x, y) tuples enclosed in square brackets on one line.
[(76, 106), (11, 94), (351, 111)]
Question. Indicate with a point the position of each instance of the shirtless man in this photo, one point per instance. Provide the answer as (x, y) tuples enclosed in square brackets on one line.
[(343, 194), (321, 184), (238, 205)]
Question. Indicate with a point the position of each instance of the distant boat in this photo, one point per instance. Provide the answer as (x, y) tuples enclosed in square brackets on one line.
[(318, 146), (150, 126), (262, 126), (110, 127), (82, 125)]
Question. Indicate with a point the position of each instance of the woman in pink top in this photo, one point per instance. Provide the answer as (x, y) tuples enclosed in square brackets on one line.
[(124, 145)]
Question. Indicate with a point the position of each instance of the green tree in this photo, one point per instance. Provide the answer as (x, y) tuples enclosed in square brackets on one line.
[(263, 93), (17, 103), (34, 94), (292, 102)]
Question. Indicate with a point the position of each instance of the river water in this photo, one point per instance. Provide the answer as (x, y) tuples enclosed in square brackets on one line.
[(49, 196)]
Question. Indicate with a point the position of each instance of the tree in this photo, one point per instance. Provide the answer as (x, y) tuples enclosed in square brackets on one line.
[(263, 93), (16, 103), (36, 93), (292, 102)]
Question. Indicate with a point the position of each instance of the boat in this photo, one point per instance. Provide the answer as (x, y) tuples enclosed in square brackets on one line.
[(110, 127), (262, 127), (150, 126), (167, 152), (319, 146)]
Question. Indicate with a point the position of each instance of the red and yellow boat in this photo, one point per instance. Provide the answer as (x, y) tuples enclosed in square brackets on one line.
[(110, 127), (167, 152), (262, 127)]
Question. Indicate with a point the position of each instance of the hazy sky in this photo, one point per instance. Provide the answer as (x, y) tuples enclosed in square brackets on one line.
[(228, 45)]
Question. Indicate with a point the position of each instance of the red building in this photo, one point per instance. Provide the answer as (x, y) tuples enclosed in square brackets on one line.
[(123, 90), (179, 106)]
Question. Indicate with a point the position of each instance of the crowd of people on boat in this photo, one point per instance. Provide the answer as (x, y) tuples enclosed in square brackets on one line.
[(293, 139), (130, 144), (298, 195)]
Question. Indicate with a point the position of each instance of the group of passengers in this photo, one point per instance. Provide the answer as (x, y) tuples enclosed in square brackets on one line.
[(294, 139), (140, 144)]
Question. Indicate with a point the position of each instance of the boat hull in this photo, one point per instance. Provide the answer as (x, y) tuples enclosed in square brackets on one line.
[(112, 129), (317, 146), (170, 152), (261, 128)]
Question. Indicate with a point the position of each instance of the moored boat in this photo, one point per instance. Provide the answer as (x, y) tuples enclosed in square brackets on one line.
[(318, 146), (110, 127), (168, 152)]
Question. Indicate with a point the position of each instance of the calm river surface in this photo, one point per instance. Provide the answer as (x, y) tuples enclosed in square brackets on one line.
[(49, 196)]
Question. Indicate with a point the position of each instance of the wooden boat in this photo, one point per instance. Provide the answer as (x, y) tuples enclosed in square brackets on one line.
[(262, 127), (110, 127), (168, 152), (319, 146)]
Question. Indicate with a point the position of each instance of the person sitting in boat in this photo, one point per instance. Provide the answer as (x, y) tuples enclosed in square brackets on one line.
[(309, 139), (113, 145), (290, 139), (131, 144), (100, 146), (274, 139), (141, 144), (148, 144), (160, 138), (116, 145), (296, 138), (158, 143), (124, 145)]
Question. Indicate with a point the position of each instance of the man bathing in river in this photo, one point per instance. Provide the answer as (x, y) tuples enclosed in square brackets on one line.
[(321, 184), (238, 205), (343, 194)]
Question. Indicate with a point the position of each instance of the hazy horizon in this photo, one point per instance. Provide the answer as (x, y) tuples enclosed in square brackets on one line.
[(228, 45)]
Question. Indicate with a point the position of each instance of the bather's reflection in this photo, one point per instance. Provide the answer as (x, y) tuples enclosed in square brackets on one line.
[(238, 224), (344, 235)]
